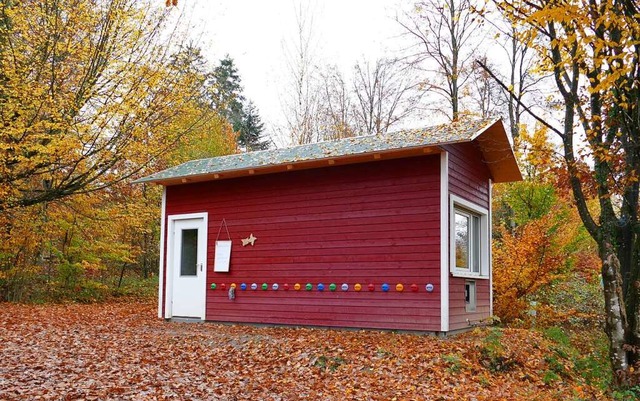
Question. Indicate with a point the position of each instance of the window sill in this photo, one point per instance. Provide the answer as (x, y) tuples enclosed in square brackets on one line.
[(464, 274)]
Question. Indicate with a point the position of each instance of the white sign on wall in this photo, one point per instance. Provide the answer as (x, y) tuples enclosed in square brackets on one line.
[(223, 256)]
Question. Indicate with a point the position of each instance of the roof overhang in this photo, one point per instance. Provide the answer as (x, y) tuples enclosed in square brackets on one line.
[(497, 153)]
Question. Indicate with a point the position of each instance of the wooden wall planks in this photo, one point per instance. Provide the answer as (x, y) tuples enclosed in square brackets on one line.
[(468, 179), (364, 223)]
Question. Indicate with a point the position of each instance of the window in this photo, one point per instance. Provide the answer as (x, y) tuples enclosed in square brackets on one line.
[(469, 239), (470, 296), (189, 253)]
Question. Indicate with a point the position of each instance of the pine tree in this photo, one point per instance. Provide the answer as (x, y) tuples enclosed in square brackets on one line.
[(250, 129), (225, 92)]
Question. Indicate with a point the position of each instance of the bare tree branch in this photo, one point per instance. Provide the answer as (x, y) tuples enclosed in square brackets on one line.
[(524, 106)]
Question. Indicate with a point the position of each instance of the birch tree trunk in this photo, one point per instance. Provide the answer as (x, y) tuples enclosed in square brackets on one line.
[(616, 317)]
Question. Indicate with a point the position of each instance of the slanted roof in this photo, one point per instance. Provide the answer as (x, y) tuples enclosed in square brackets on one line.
[(489, 135)]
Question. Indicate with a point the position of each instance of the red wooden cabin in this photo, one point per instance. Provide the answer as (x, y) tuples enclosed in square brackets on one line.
[(385, 232)]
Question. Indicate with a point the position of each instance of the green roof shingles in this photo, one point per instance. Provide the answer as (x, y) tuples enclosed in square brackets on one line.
[(431, 136)]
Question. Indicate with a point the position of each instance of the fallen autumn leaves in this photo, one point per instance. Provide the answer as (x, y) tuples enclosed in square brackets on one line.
[(123, 352)]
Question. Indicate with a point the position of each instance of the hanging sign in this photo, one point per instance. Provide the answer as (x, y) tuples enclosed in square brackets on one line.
[(223, 256), (223, 251)]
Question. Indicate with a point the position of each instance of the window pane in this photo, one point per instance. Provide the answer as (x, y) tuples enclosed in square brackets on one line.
[(462, 241), (475, 244), (189, 253), (470, 296)]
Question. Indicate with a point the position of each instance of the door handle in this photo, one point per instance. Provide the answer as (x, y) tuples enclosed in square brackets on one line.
[(200, 264)]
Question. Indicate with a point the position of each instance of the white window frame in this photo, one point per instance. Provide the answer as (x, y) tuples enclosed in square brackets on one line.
[(470, 209)]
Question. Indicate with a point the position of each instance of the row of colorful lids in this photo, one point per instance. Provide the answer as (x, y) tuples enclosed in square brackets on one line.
[(320, 287)]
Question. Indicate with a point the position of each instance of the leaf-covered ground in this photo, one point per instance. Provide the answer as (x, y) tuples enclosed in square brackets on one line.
[(123, 352)]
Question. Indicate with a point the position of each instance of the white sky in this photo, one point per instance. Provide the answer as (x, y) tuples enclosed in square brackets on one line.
[(253, 33)]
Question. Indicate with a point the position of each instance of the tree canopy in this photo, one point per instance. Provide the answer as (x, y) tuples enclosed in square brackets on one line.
[(92, 94), (88, 97), (592, 50)]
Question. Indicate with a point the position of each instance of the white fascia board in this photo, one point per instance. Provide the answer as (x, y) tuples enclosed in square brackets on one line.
[(490, 254), (161, 271), (444, 242)]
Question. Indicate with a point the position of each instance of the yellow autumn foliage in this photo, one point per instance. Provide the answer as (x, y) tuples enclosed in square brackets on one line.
[(90, 98), (590, 48)]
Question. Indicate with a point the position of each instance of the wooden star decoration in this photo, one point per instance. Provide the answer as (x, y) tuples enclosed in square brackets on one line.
[(250, 240)]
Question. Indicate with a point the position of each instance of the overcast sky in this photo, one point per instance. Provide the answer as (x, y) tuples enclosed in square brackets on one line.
[(253, 33)]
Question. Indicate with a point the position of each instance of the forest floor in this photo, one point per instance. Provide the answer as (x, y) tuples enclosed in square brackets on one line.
[(122, 351)]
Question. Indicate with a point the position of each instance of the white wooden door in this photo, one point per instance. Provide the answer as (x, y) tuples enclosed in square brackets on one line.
[(188, 260)]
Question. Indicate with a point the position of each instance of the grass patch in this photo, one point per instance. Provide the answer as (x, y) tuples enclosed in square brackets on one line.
[(494, 355), (329, 363), (136, 287), (630, 394), (584, 350), (453, 362)]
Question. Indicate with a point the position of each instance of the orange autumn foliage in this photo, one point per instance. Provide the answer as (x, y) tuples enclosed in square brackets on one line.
[(524, 261), (540, 239)]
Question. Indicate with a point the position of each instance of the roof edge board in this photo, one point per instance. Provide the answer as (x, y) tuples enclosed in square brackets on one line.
[(490, 124)]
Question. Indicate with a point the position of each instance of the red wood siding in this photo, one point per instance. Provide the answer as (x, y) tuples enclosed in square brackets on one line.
[(468, 179), (365, 223), (457, 312), (468, 175)]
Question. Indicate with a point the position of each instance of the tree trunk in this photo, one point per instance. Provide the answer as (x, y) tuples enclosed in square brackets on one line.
[(124, 265), (145, 256), (616, 318), (633, 307)]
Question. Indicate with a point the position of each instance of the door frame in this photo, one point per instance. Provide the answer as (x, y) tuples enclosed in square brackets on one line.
[(171, 223)]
